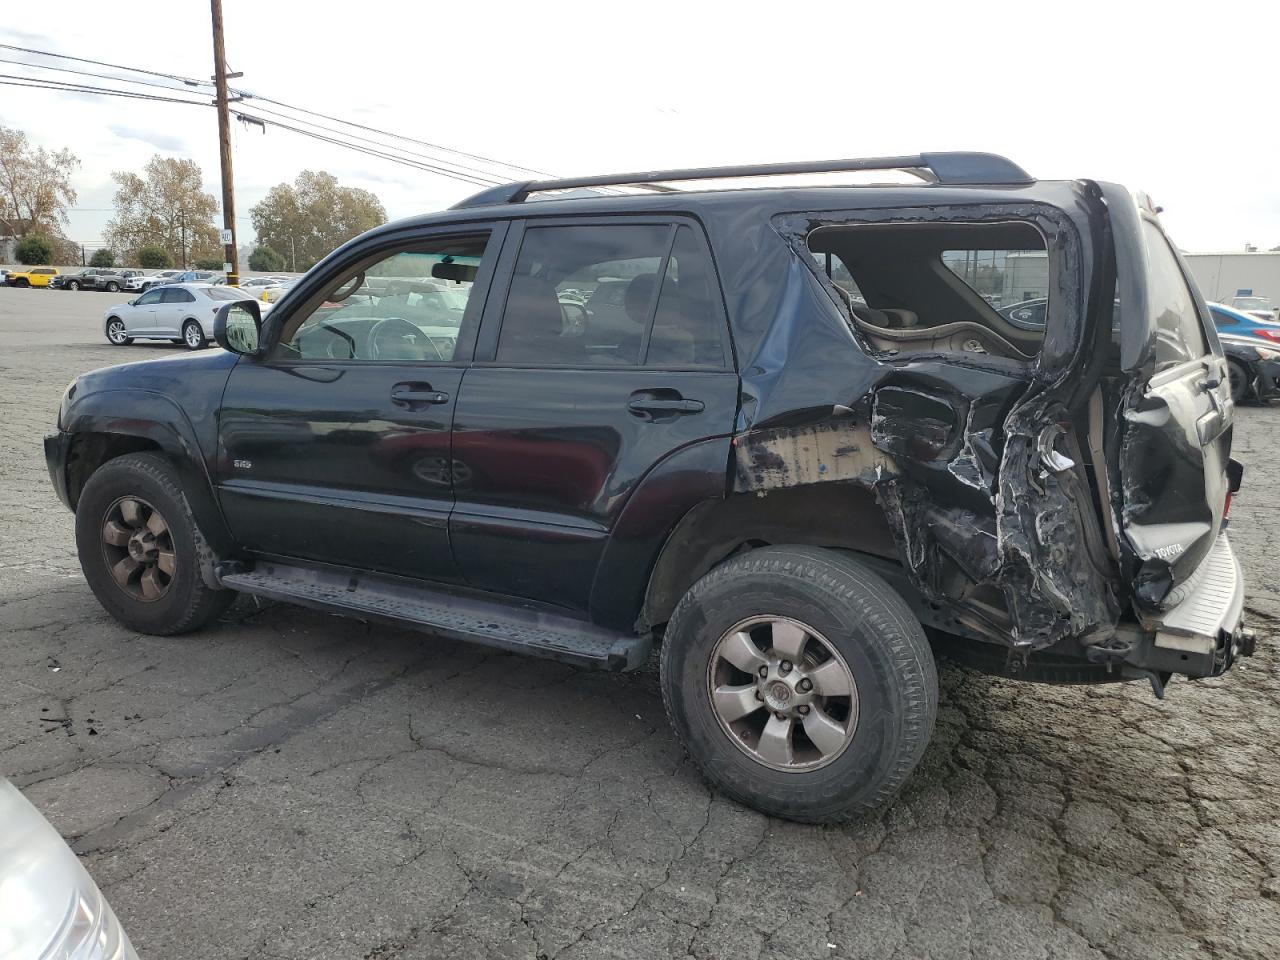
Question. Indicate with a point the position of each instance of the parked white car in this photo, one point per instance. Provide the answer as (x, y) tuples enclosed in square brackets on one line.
[(162, 276), (180, 312), (49, 905)]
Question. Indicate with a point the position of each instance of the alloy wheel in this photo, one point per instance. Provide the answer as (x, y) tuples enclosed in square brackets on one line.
[(137, 546), (192, 334), (782, 693), (115, 332)]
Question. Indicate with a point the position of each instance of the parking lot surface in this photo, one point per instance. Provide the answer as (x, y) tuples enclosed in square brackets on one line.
[(293, 785)]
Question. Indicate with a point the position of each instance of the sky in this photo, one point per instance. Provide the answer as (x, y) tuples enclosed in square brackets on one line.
[(1180, 103)]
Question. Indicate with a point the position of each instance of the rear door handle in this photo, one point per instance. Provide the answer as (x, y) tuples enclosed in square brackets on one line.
[(416, 394), (652, 405)]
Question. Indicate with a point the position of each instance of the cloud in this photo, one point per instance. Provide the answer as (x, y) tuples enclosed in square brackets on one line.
[(160, 141), (33, 39)]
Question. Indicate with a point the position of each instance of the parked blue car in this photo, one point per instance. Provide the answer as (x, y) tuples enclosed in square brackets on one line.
[(1237, 323)]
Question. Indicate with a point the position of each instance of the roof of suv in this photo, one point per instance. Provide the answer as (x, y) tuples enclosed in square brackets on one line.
[(945, 178)]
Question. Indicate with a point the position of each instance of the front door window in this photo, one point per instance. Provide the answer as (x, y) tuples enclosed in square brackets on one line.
[(407, 306)]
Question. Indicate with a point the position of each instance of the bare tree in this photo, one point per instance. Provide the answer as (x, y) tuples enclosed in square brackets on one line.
[(35, 186), (166, 208)]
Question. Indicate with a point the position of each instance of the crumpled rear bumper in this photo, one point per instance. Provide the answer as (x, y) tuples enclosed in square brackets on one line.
[(1205, 633)]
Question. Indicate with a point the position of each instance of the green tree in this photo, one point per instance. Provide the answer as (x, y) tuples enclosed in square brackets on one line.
[(265, 260), (103, 257), (35, 185), (166, 208), (34, 249), (307, 220), (154, 258), (209, 263)]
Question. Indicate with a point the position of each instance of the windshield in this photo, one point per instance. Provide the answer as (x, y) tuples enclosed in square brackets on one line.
[(1251, 303)]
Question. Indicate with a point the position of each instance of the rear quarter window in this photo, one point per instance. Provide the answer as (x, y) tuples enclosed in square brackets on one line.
[(1179, 336)]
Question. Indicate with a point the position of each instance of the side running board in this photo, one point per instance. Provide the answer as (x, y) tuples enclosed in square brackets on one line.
[(512, 627)]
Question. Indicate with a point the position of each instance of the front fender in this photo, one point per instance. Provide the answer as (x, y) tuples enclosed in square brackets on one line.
[(160, 421)]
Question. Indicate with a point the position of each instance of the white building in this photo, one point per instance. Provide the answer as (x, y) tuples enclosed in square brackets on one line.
[(1024, 275), (1222, 276)]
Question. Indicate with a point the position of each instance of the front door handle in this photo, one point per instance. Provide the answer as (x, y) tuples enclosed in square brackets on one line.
[(416, 394)]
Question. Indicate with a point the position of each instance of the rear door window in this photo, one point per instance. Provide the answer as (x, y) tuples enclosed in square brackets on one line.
[(1179, 335), (612, 295)]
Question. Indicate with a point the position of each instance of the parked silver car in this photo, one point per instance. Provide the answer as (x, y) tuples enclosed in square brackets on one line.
[(50, 908), (180, 312)]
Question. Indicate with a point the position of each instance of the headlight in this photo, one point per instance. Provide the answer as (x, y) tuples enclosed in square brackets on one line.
[(49, 905)]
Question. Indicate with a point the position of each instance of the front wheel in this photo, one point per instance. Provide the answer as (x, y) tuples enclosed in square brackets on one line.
[(140, 548), (192, 335), (116, 333), (23, 282), (800, 683), (113, 288)]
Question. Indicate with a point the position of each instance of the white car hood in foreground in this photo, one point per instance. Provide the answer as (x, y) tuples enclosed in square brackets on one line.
[(50, 908)]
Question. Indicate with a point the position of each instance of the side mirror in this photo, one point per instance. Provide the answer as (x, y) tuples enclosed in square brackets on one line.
[(238, 327)]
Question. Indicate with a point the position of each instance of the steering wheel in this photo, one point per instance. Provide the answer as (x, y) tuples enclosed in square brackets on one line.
[(399, 330), (575, 318), (347, 339)]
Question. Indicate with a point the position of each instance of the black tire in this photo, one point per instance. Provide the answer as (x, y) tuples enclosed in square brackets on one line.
[(1239, 377), (112, 338), (187, 603), (113, 287), (866, 622), (23, 282), (73, 285), (193, 335)]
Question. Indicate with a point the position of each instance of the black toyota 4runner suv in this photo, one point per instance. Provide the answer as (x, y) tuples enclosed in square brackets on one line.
[(785, 433)]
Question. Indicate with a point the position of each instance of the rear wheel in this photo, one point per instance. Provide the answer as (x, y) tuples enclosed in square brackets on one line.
[(192, 335), (800, 683), (1239, 380), (116, 332), (73, 285), (140, 549), (113, 287)]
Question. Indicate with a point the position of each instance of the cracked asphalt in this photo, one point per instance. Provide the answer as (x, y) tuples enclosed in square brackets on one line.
[(292, 785)]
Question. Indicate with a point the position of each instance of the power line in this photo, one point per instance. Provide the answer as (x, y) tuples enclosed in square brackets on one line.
[(86, 73), (465, 177), (395, 136), (78, 87), (10, 80), (114, 66), (188, 81), (352, 136)]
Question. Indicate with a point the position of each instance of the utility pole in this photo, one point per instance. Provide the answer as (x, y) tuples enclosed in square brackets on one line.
[(182, 220), (230, 255)]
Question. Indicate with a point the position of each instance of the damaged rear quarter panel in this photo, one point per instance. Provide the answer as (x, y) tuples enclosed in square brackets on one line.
[(949, 443)]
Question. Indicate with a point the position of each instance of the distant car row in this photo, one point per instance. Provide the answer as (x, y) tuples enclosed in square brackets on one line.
[(113, 280)]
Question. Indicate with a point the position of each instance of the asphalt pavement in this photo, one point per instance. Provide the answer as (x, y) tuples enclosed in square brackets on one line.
[(287, 784)]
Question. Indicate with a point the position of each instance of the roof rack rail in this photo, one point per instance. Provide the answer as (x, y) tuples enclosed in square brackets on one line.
[(947, 168)]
